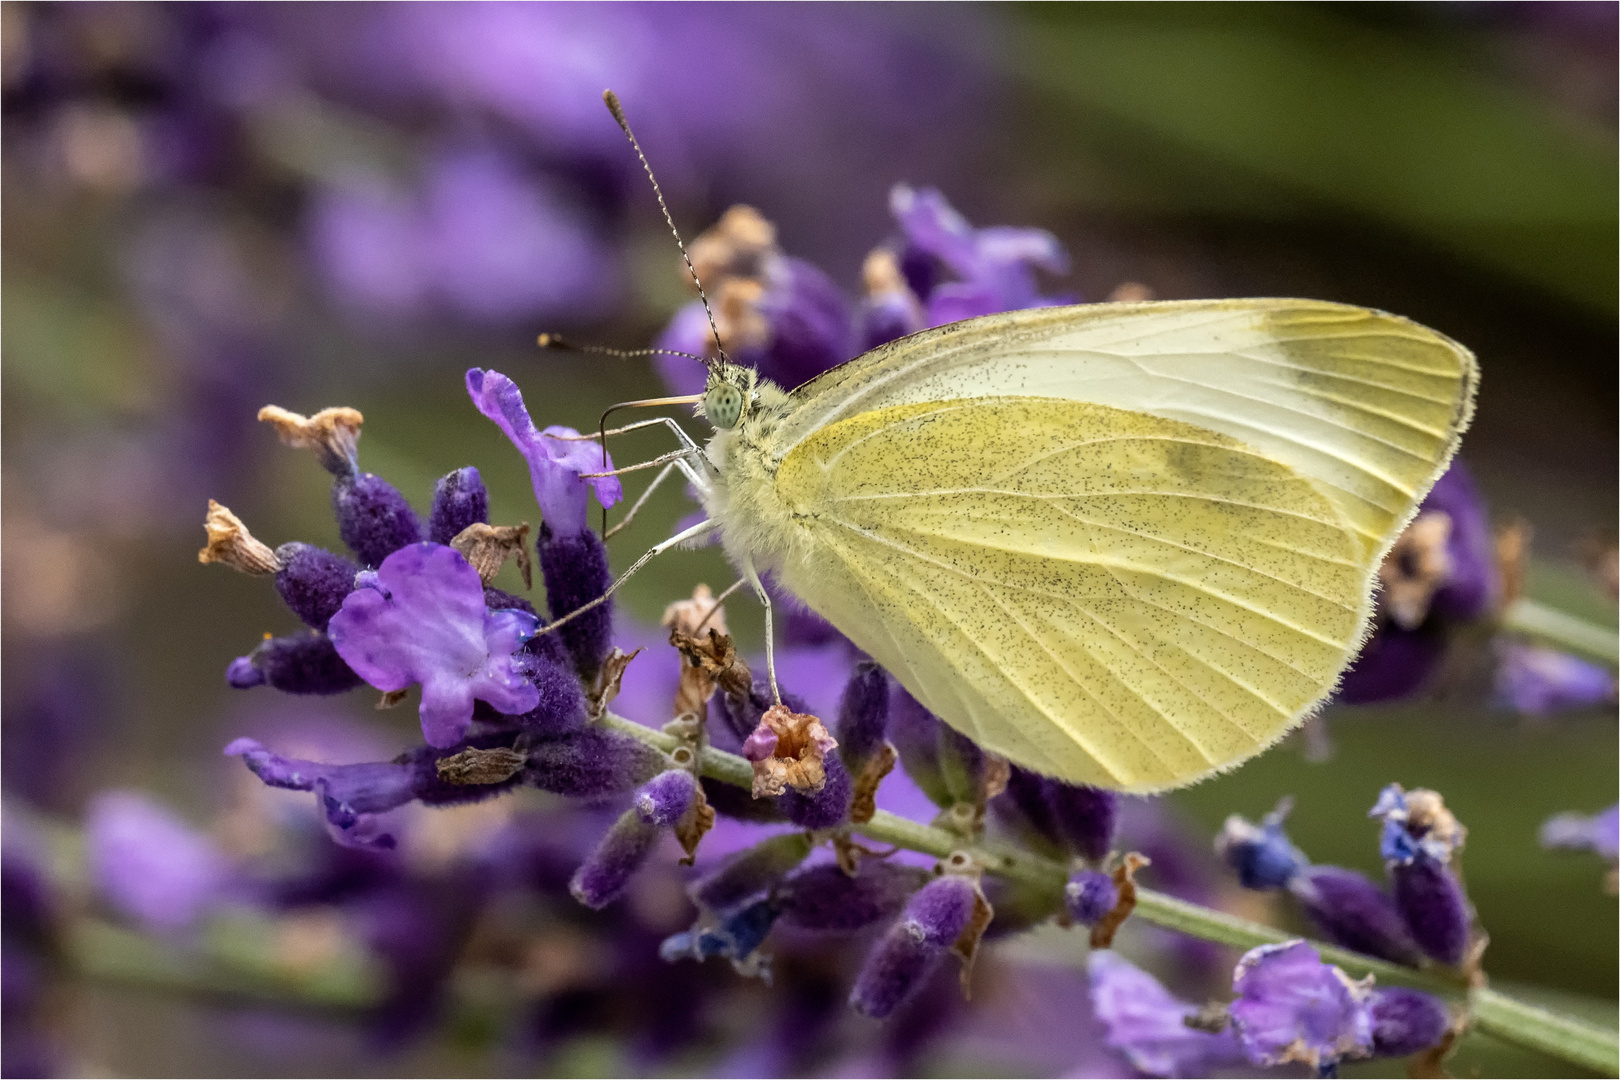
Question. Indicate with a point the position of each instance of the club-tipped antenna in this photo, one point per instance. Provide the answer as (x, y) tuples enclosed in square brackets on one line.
[(557, 341), (612, 101)]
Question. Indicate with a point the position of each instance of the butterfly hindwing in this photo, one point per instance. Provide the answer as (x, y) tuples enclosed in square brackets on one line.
[(1099, 594)]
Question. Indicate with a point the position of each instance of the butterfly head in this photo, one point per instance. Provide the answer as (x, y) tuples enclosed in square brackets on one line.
[(728, 394)]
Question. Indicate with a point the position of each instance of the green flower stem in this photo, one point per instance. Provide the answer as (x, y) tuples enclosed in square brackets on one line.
[(1548, 623), (1494, 1013)]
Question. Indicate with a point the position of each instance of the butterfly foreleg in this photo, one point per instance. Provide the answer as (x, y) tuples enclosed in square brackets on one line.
[(700, 529), (770, 637)]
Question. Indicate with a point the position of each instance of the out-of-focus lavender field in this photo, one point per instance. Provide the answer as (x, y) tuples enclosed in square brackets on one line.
[(210, 208)]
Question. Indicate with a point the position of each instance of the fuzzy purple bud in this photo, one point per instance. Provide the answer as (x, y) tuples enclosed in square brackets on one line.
[(1436, 910), (915, 733), (933, 920), (666, 798), (1089, 895), (373, 517), (825, 808), (459, 500), (1024, 808), (313, 581), (575, 569), (1353, 912), (863, 714), (592, 763), (604, 875), (824, 898), (1085, 817), (1406, 1021), (242, 675), (751, 873), (300, 664)]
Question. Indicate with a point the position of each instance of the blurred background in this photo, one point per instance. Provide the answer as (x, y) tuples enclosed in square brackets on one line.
[(213, 207)]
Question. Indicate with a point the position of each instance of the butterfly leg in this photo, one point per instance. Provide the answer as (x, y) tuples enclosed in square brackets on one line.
[(770, 636), (700, 529)]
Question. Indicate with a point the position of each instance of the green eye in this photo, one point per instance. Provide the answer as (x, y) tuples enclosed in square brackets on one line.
[(723, 405)]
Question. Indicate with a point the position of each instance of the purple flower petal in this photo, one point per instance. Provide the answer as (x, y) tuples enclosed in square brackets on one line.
[(1536, 680), (1146, 1023), (1599, 833), (1292, 1007), (555, 464), (427, 624), (150, 865)]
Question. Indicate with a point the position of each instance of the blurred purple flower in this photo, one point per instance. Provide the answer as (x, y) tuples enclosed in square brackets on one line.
[(1418, 840), (1535, 681), (1599, 833), (1147, 1024), (1262, 855), (555, 463), (425, 622), (150, 865), (1291, 1007)]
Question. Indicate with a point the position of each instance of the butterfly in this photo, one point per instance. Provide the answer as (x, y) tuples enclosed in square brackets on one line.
[(1127, 545)]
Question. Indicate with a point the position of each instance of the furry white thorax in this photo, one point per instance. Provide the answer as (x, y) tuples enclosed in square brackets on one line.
[(756, 526)]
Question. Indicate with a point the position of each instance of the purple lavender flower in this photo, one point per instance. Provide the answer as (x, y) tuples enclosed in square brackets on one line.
[(1406, 1021), (1352, 911), (1440, 573), (1089, 895), (592, 763), (751, 873), (1418, 839), (824, 898), (459, 500), (1535, 681), (1148, 1025), (425, 622), (736, 936), (313, 581), (993, 267), (150, 865), (666, 798), (1291, 1007), (1262, 855), (350, 796), (1085, 817), (373, 517), (555, 464), (297, 664), (863, 715), (1599, 833), (606, 872), (897, 965)]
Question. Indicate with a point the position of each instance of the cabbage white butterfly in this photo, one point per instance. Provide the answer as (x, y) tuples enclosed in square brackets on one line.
[(1127, 545)]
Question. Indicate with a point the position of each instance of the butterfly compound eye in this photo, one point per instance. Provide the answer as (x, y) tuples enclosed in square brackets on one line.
[(723, 404)]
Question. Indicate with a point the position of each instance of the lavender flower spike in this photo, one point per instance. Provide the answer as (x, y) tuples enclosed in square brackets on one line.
[(425, 622), (1419, 837), (603, 876), (555, 464), (898, 964), (1147, 1024), (1292, 1007)]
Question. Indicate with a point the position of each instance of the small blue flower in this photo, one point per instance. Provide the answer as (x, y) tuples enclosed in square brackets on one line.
[(426, 623), (736, 936), (1147, 1024), (555, 459), (1291, 1007), (1262, 855)]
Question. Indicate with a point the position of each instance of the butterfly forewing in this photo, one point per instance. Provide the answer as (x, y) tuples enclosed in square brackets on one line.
[(1098, 594)]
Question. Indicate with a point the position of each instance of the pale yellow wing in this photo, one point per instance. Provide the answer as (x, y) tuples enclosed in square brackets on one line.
[(1101, 595), (1367, 405)]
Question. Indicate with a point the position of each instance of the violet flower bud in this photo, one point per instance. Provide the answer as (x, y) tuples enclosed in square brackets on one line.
[(242, 675), (1417, 842), (933, 920), (604, 875), (592, 763), (313, 581), (1089, 895), (863, 714), (1085, 817), (751, 873), (300, 664), (373, 517), (575, 569), (1352, 911), (1024, 808), (824, 898), (825, 808), (1406, 1021), (1262, 855), (915, 733), (665, 799), (459, 500)]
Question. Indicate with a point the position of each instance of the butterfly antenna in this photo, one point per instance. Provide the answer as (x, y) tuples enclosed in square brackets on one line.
[(557, 341), (612, 101)]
